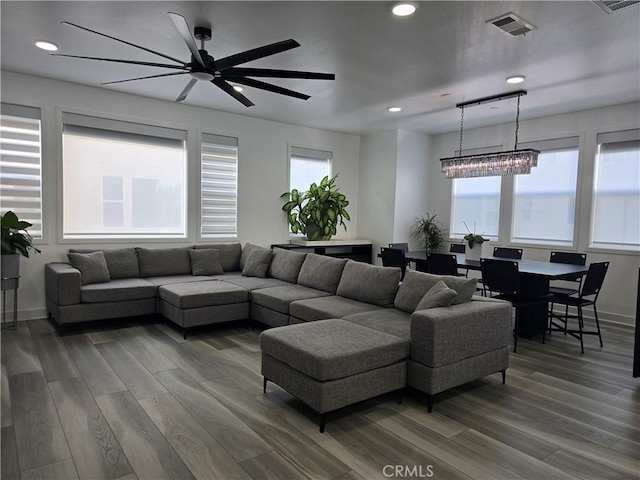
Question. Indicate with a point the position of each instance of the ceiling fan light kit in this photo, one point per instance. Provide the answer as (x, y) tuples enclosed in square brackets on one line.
[(512, 162), (203, 67)]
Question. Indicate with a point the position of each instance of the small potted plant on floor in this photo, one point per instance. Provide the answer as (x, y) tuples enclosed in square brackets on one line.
[(16, 241), (318, 211), (429, 231)]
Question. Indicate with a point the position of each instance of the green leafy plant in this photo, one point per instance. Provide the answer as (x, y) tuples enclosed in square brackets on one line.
[(318, 211), (473, 238), (429, 231), (15, 238)]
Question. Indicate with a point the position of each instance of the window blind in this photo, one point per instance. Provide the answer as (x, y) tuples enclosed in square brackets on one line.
[(21, 164), (219, 186)]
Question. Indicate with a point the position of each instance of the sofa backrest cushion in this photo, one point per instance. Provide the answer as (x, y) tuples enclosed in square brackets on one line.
[(92, 267), (369, 283), (205, 261), (321, 272), (229, 255), (121, 262), (246, 251), (257, 263), (159, 262), (416, 284), (438, 296), (286, 265)]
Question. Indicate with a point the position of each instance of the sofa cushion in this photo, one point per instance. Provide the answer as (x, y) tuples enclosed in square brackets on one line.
[(321, 272), (286, 265), (229, 254), (387, 320), (252, 283), (246, 251), (369, 283), (205, 261), (279, 298), (92, 267), (416, 284), (257, 263), (332, 306), (157, 262), (168, 280), (117, 291), (202, 294), (121, 262), (438, 296), (332, 349)]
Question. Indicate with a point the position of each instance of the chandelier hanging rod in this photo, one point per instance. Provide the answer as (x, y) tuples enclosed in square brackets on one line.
[(491, 99)]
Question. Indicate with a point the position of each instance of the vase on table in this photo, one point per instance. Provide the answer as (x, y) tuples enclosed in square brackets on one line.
[(473, 252)]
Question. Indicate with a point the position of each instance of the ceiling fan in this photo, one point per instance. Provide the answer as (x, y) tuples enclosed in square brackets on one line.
[(219, 72)]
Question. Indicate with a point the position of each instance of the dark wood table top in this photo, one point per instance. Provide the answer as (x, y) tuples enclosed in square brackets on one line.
[(530, 267)]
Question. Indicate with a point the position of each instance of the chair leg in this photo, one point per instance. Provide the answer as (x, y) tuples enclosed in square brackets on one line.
[(595, 313), (580, 328), (566, 318), (515, 333)]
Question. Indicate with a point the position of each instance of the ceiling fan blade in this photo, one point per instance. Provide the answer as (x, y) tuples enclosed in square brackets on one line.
[(132, 62), (231, 73), (231, 91), (185, 33), (125, 42), (142, 78), (250, 82), (254, 54), (185, 91)]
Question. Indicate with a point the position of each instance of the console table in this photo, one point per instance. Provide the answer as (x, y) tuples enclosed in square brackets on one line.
[(10, 283), (358, 250)]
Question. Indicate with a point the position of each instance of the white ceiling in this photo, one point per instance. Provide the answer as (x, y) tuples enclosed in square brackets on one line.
[(579, 57)]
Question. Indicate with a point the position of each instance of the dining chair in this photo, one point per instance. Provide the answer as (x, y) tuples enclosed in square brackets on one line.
[(393, 257), (457, 248), (502, 277), (570, 258), (442, 264), (506, 252), (400, 246), (587, 296)]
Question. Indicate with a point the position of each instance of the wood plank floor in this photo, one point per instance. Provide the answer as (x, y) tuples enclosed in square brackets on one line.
[(140, 402)]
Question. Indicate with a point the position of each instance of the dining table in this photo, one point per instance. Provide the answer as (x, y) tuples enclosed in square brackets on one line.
[(535, 276)]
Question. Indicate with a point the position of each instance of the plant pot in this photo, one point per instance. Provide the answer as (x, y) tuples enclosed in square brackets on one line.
[(10, 265), (312, 228), (474, 253)]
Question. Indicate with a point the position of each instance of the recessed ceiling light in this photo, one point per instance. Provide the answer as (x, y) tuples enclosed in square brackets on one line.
[(394, 109), (48, 46), (238, 88), (404, 9), (516, 79)]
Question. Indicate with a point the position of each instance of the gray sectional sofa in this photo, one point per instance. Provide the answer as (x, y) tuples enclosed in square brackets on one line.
[(450, 337)]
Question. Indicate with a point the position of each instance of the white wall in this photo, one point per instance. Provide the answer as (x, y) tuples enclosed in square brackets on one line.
[(263, 165), (618, 297)]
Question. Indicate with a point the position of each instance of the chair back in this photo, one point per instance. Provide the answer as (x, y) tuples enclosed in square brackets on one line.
[(442, 264), (594, 279), (457, 248), (392, 257), (505, 252), (500, 276), (570, 258), (400, 246)]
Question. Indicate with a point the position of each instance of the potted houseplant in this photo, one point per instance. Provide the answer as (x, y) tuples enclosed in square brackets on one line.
[(429, 231), (474, 243), (318, 211), (16, 241)]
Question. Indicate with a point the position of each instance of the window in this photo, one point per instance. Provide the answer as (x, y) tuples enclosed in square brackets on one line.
[(21, 164), (219, 186), (308, 166), (544, 201), (616, 193), (475, 202), (122, 180)]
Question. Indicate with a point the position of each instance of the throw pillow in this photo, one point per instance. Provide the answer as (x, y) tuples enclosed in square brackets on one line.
[(205, 261), (438, 296), (92, 266), (257, 263)]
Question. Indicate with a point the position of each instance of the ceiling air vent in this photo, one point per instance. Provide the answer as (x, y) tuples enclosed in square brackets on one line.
[(512, 24), (611, 6)]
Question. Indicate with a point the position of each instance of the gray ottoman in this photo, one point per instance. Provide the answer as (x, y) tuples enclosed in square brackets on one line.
[(329, 364), (203, 303)]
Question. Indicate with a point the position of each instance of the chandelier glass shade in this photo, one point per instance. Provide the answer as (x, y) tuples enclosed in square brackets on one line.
[(512, 162)]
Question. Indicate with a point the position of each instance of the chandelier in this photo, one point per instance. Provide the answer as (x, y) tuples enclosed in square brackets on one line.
[(512, 162)]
